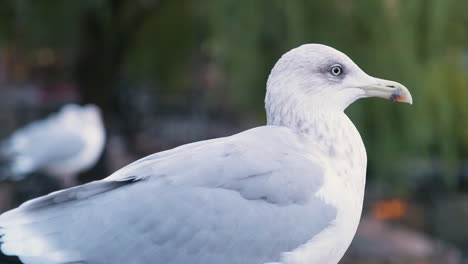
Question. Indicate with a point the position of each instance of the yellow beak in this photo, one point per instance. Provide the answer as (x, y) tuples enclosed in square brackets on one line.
[(390, 90)]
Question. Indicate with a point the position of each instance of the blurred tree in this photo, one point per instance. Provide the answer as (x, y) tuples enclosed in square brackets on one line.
[(99, 39)]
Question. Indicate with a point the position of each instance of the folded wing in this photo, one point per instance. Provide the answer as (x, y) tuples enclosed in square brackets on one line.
[(229, 200)]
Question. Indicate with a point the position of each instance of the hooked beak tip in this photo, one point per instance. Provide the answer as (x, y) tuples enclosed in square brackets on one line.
[(402, 95)]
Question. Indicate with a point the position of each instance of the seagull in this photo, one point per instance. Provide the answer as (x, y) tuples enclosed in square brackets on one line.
[(62, 145), (289, 192)]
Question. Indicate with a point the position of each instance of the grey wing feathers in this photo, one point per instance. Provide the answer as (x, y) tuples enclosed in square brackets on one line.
[(38, 227), (75, 193)]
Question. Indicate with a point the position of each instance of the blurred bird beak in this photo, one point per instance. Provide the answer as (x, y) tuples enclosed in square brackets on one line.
[(390, 90)]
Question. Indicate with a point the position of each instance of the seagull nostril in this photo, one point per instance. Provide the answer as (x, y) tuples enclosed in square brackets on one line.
[(391, 86)]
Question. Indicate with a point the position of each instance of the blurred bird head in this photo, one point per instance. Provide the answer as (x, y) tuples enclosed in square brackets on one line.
[(92, 113)]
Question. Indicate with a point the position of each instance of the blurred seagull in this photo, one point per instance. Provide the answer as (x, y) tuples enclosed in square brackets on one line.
[(62, 145), (289, 192)]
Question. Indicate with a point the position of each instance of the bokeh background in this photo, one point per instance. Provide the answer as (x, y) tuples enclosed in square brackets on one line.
[(166, 73)]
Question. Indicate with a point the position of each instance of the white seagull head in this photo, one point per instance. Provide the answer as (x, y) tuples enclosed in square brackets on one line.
[(322, 77)]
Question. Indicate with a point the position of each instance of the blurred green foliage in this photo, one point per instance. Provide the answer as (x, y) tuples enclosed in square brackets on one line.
[(420, 43)]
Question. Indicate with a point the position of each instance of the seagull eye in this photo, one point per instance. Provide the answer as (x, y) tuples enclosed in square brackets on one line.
[(336, 70)]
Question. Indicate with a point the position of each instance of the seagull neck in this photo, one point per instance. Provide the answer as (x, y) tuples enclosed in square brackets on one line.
[(331, 133), (313, 119)]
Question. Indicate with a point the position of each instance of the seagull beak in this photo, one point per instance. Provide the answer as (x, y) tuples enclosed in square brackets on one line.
[(390, 90)]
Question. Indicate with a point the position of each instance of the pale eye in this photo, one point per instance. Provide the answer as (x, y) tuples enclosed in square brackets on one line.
[(336, 70)]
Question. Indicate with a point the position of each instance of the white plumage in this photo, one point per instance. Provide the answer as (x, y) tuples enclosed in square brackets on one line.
[(289, 192), (62, 145)]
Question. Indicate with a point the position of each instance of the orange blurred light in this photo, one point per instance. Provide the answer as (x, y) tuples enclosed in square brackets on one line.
[(389, 209)]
